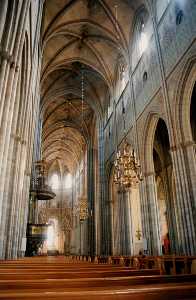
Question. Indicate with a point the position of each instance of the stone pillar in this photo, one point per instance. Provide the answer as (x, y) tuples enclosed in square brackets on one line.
[(150, 222), (91, 205), (170, 209), (125, 237), (129, 228), (190, 156), (184, 202), (3, 14), (105, 234), (8, 118), (6, 54), (121, 231), (117, 232), (7, 164)]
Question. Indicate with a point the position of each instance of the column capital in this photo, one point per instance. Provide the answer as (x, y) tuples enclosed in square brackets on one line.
[(183, 145), (188, 144)]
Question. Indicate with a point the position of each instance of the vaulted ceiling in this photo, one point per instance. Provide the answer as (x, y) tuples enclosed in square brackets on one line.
[(80, 38)]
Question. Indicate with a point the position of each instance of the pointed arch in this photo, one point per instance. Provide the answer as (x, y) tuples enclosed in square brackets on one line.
[(183, 97)]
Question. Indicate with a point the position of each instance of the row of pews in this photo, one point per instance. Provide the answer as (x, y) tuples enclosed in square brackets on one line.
[(167, 264), (91, 278)]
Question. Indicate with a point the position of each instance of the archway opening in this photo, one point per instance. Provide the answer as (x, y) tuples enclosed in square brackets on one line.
[(163, 173)]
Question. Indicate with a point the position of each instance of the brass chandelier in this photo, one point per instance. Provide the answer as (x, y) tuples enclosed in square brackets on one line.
[(127, 169), (127, 172)]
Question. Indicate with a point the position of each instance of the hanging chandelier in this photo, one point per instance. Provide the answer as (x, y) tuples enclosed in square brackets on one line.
[(127, 169), (83, 209), (127, 172)]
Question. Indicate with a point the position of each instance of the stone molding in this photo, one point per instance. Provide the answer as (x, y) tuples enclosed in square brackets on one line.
[(182, 146), (149, 174)]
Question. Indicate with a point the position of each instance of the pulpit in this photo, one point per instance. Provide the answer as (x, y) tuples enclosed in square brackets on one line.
[(36, 236)]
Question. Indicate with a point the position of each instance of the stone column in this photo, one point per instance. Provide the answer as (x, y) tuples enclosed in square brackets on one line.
[(91, 207), (8, 163), (129, 230), (121, 224), (20, 177), (170, 208), (190, 157), (6, 54), (117, 225), (125, 223), (8, 109), (150, 224), (184, 203), (105, 234), (3, 14), (145, 214)]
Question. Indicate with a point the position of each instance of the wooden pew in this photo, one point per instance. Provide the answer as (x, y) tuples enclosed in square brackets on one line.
[(58, 278)]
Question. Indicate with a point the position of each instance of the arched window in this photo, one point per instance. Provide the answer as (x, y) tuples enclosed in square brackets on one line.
[(143, 39), (55, 182), (68, 181), (141, 36)]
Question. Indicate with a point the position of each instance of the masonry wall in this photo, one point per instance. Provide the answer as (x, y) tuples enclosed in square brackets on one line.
[(168, 62)]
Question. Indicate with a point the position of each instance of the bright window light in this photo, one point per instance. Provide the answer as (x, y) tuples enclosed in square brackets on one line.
[(143, 42), (50, 236), (68, 181), (55, 181)]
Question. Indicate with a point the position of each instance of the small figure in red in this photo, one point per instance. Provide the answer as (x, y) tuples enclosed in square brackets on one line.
[(166, 244)]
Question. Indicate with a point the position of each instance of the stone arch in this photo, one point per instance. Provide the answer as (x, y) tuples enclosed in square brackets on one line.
[(158, 164), (148, 138), (184, 130), (183, 101)]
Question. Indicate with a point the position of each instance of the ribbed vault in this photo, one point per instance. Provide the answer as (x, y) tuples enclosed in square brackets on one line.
[(80, 38)]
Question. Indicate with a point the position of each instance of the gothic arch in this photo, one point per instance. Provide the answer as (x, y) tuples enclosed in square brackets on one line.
[(148, 138), (184, 91)]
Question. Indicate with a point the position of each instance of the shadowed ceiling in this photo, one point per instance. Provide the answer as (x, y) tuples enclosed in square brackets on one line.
[(80, 38)]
